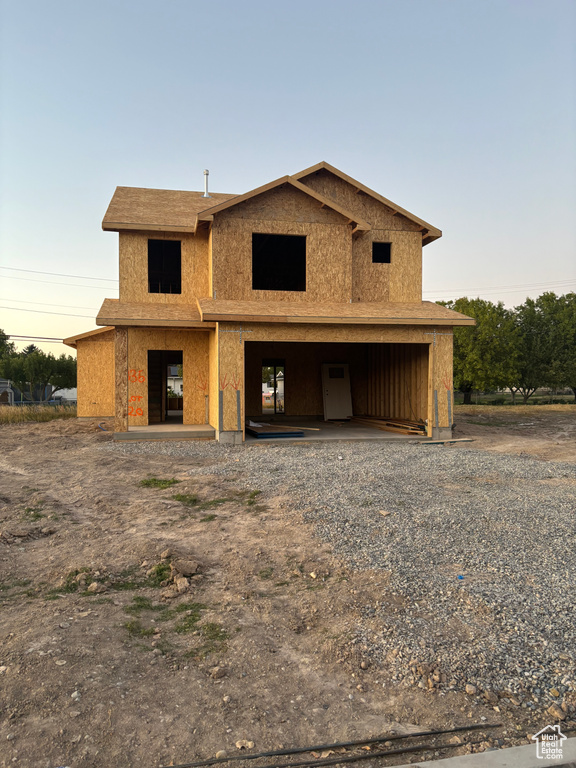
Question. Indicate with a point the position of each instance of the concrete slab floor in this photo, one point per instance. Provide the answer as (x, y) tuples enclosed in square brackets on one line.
[(328, 430)]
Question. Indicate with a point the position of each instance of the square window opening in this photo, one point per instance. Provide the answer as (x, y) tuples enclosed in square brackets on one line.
[(278, 262), (164, 266), (381, 253)]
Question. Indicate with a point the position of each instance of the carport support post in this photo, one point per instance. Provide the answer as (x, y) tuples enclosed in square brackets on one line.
[(440, 381), (231, 382), (121, 380)]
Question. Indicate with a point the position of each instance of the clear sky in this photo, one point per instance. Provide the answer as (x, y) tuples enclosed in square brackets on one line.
[(462, 112)]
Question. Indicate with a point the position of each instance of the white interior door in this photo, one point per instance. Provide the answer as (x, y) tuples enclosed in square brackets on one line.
[(336, 391)]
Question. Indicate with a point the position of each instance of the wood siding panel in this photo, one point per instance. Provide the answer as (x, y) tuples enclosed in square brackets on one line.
[(134, 268), (194, 347), (303, 375), (96, 382), (399, 281), (328, 248), (398, 376), (363, 205)]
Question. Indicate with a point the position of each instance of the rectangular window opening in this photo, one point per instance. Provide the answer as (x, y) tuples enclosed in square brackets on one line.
[(381, 253), (164, 266), (278, 262)]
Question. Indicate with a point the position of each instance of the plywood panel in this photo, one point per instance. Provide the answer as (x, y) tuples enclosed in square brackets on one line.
[(194, 346), (399, 281), (398, 375), (134, 268), (213, 379), (441, 384), (96, 380), (120, 380), (303, 375), (337, 333), (328, 258), (231, 376), (363, 205)]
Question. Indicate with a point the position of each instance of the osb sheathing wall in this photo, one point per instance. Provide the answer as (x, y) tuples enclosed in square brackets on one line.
[(303, 375), (282, 211), (134, 267), (401, 280), (398, 381), (440, 384), (213, 381), (96, 376), (194, 346), (231, 377)]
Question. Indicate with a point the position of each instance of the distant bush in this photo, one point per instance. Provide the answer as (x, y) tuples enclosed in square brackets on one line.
[(11, 414)]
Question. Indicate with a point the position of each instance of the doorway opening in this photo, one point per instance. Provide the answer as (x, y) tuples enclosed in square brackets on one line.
[(165, 386), (273, 386)]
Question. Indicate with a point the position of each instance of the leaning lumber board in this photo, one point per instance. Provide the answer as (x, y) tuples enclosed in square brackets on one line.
[(449, 440)]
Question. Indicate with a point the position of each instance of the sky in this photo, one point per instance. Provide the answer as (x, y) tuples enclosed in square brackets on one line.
[(462, 112)]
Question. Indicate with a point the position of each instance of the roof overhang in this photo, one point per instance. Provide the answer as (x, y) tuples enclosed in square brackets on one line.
[(429, 232), (117, 313), (71, 341), (208, 215), (390, 313)]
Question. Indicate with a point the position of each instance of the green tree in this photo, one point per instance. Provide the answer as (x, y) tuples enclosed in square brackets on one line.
[(546, 343), (484, 355), (39, 375), (6, 346)]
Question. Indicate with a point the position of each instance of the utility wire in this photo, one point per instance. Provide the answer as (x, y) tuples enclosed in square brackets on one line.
[(558, 283), (44, 304), (51, 282), (34, 338), (44, 312), (60, 274)]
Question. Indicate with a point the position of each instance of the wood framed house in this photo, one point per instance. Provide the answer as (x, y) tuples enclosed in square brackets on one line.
[(309, 271)]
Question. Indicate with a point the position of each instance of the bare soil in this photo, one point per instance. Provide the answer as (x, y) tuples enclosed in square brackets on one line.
[(255, 647)]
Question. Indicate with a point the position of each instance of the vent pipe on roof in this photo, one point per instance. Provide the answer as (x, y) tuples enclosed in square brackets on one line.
[(206, 173)]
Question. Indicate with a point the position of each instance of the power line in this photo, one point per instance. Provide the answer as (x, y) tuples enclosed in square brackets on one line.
[(499, 288), (44, 304), (50, 282), (60, 274), (43, 312), (34, 338)]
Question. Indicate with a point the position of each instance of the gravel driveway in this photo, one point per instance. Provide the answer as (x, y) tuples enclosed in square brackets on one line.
[(479, 548)]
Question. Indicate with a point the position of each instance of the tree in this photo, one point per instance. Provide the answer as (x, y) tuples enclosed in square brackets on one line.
[(30, 349), (484, 355), (546, 343), (38, 375), (6, 347)]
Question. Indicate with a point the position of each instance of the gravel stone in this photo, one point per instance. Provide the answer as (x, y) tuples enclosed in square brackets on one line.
[(505, 523)]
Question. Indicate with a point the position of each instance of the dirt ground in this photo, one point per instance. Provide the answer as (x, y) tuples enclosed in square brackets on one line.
[(141, 630)]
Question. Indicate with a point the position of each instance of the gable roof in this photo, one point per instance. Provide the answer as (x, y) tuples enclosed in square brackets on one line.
[(208, 214), (429, 232), (164, 210), (72, 340)]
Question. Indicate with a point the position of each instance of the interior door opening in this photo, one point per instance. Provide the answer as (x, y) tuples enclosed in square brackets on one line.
[(165, 386), (273, 387)]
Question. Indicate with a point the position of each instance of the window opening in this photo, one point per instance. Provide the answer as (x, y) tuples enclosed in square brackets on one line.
[(164, 266), (381, 253), (278, 262)]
